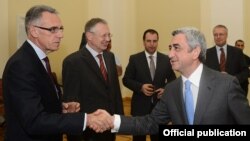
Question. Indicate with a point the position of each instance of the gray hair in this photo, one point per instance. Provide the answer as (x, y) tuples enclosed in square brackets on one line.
[(220, 26), (92, 23), (34, 14), (194, 39)]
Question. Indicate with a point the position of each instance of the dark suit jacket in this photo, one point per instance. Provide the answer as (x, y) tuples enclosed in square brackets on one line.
[(220, 101), (247, 58), (33, 110), (235, 64), (83, 82), (137, 73)]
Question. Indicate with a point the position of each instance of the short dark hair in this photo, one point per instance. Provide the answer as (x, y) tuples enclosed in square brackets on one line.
[(239, 40), (152, 31)]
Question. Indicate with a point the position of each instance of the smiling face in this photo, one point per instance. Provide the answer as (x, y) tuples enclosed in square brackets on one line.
[(99, 37), (220, 36), (183, 58)]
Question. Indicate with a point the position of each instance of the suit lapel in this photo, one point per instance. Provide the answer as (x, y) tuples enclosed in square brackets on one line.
[(42, 69), (229, 57), (159, 63), (90, 60), (145, 65), (179, 100), (215, 58), (204, 95), (35, 58), (107, 60)]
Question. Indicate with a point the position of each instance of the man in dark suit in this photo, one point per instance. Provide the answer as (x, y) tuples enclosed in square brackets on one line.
[(235, 63), (91, 80), (241, 45), (216, 97), (33, 107), (147, 89)]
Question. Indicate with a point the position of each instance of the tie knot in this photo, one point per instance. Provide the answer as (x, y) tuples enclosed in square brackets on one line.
[(151, 57), (99, 56), (221, 49), (187, 84), (46, 59)]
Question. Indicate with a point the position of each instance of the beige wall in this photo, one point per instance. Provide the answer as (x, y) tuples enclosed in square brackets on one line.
[(246, 14), (127, 20), (165, 16), (4, 44)]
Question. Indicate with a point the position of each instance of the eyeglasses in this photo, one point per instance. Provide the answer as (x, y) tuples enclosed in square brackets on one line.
[(52, 29), (104, 35), (107, 35)]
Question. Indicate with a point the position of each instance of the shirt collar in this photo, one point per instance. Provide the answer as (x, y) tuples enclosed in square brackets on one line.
[(93, 52), (38, 51), (154, 55), (195, 76), (224, 48)]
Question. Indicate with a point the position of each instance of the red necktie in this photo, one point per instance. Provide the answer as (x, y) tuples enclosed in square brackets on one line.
[(102, 67), (46, 59), (222, 60)]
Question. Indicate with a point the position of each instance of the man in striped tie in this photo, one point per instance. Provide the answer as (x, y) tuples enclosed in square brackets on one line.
[(90, 77)]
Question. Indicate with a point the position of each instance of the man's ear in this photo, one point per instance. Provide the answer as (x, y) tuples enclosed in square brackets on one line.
[(89, 35), (33, 31), (196, 51)]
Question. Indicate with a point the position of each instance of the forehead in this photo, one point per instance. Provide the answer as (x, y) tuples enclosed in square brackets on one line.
[(239, 43), (101, 28), (50, 19), (179, 39), (151, 36), (219, 30)]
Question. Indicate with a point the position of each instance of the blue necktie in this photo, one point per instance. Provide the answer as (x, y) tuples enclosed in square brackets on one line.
[(189, 103)]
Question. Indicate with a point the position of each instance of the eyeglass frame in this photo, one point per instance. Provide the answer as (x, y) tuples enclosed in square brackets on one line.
[(104, 35), (52, 29)]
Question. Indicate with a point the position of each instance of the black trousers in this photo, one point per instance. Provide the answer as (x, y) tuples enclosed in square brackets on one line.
[(143, 138), (90, 135)]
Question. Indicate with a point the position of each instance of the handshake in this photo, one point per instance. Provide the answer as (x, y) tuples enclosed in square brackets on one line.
[(99, 121)]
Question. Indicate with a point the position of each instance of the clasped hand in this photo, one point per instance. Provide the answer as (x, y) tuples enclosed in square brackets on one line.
[(100, 121), (70, 107)]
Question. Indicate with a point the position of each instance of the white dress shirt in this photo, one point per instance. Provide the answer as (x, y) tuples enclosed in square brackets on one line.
[(219, 51)]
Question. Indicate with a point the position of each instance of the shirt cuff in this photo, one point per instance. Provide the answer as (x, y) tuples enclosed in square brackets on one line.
[(117, 123), (85, 122)]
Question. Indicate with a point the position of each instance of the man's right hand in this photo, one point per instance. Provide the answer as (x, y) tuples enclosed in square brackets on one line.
[(100, 121), (147, 89)]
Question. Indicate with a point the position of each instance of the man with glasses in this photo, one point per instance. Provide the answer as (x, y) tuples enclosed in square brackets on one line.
[(90, 77), (32, 99), (227, 59)]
